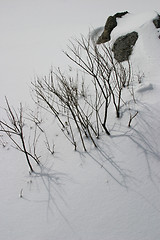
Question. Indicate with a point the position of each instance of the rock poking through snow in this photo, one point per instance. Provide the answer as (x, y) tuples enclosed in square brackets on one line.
[(123, 46), (123, 43), (111, 23), (156, 21)]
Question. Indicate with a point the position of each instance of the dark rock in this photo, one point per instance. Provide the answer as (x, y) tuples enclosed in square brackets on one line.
[(123, 46), (121, 14), (111, 23), (156, 21), (109, 26)]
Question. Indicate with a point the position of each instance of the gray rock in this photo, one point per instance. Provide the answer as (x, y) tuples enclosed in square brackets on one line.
[(123, 46), (156, 21), (109, 26), (111, 23), (120, 14)]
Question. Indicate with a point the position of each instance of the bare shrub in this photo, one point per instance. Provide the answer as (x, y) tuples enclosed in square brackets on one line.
[(98, 62), (64, 100), (65, 96), (14, 130)]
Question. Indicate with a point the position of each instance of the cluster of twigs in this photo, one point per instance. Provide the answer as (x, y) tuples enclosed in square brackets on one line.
[(15, 131), (61, 94), (109, 75), (82, 114)]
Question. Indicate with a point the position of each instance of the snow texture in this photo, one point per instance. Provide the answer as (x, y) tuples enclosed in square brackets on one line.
[(111, 193)]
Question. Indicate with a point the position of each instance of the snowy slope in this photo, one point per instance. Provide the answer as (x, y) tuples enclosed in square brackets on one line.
[(72, 197)]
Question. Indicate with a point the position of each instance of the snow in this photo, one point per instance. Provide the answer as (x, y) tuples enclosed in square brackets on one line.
[(78, 195)]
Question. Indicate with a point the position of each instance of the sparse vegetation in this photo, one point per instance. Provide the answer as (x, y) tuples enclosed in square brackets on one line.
[(15, 131), (85, 113), (67, 97)]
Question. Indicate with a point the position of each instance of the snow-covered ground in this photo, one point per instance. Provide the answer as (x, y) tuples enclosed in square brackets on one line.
[(78, 195)]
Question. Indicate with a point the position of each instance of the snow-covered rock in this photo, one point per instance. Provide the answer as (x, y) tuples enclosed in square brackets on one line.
[(122, 32)]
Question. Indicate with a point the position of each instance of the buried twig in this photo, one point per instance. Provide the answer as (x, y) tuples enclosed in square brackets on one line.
[(131, 118)]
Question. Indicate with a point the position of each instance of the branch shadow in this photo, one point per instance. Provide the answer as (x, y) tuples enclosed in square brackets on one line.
[(52, 182), (143, 136), (110, 166)]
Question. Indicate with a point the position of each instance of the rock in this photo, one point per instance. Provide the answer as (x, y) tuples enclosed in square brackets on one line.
[(121, 14), (111, 23), (156, 21), (109, 26), (123, 46)]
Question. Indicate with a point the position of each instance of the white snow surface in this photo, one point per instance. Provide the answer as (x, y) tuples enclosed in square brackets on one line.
[(72, 197)]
